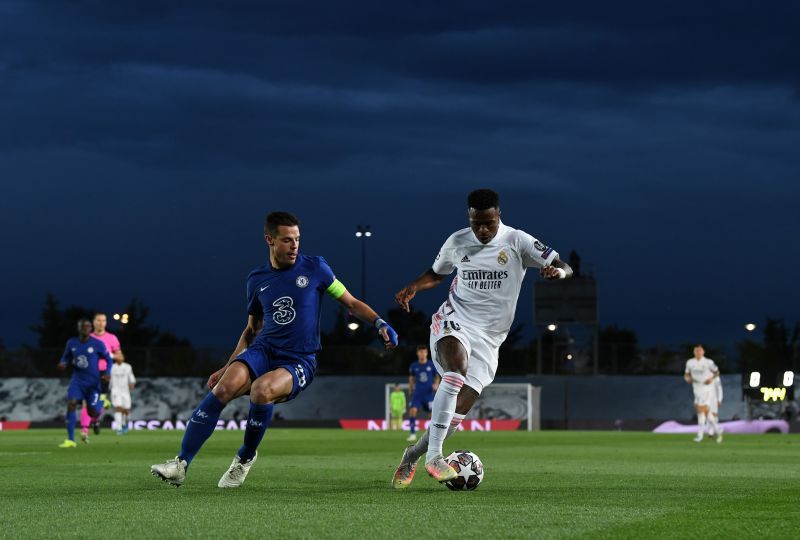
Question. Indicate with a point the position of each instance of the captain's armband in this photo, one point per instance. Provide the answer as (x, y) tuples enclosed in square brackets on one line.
[(336, 289)]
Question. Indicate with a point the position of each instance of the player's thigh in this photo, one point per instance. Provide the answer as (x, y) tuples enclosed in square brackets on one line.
[(452, 355), (235, 382), (272, 387), (413, 411)]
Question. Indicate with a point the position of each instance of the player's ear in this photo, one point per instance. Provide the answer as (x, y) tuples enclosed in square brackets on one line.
[(268, 238)]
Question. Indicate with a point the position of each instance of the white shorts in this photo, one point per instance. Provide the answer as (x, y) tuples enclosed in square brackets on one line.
[(705, 396), (482, 350), (121, 399)]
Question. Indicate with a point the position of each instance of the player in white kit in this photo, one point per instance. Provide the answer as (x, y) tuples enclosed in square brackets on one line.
[(490, 259), (122, 382), (713, 410), (700, 373)]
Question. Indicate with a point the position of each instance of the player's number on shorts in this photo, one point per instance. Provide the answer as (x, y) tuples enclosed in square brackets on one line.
[(454, 325), (285, 312)]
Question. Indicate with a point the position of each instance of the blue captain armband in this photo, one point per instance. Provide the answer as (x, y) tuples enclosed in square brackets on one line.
[(336, 289)]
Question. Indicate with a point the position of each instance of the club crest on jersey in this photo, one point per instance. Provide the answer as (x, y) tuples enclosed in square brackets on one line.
[(301, 281), (90, 350), (502, 258)]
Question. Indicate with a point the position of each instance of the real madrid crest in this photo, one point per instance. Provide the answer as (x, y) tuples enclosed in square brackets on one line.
[(502, 258), (301, 281)]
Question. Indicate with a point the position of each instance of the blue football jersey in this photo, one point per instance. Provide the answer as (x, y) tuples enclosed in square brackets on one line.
[(84, 358), (424, 375), (289, 301)]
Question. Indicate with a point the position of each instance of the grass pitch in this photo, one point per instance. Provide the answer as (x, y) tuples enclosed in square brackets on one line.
[(335, 484)]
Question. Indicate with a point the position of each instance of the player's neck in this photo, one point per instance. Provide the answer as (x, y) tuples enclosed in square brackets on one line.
[(99, 333)]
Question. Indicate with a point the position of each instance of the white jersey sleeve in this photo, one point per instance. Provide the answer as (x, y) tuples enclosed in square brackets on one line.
[(131, 377), (718, 388), (534, 253), (445, 261)]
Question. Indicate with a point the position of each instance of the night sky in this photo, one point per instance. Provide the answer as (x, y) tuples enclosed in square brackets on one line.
[(141, 147)]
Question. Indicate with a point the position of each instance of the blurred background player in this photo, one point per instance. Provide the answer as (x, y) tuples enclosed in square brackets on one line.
[(397, 408), (122, 382), (112, 346), (700, 372), (713, 410), (275, 358), (84, 353), (422, 383), (490, 260)]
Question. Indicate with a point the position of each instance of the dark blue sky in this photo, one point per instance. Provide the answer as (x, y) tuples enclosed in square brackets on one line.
[(141, 145)]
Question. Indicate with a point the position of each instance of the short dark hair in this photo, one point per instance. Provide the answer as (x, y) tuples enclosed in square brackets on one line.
[(483, 199), (83, 320), (276, 219), (422, 347), (96, 313)]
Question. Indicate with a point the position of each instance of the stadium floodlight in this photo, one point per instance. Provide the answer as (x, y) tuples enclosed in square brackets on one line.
[(552, 327), (788, 378), (750, 327), (116, 316), (569, 357), (755, 379)]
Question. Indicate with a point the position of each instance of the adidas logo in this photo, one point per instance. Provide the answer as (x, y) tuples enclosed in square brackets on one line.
[(465, 259)]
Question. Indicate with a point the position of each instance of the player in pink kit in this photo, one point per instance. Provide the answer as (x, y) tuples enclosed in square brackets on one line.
[(112, 344)]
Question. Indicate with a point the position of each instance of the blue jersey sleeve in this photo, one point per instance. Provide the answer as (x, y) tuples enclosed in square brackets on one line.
[(326, 275), (253, 303), (67, 356)]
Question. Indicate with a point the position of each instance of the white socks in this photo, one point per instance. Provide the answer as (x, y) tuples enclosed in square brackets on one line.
[(118, 419), (701, 424), (444, 408), (714, 421), (422, 444)]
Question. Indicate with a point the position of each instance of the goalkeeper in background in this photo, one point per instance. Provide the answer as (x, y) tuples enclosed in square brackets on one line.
[(397, 407)]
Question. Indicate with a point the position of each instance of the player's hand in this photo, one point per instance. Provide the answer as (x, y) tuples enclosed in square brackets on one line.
[(708, 381), (550, 272), (405, 295), (61, 367), (215, 377), (388, 334), (106, 378)]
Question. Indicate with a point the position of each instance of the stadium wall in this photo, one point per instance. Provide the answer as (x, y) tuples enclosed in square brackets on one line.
[(567, 401)]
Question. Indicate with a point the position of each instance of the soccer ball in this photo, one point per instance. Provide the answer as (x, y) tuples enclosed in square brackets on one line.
[(469, 469)]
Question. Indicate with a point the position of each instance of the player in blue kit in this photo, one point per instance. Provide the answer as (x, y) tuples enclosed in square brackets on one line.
[(275, 358), (422, 383), (83, 352)]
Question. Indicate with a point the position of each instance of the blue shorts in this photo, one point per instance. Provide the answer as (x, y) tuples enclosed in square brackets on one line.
[(80, 390), (263, 359), (422, 401)]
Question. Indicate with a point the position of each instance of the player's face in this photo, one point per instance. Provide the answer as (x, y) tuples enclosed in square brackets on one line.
[(100, 323), (285, 245), (84, 328), (699, 352), (484, 223), (422, 355)]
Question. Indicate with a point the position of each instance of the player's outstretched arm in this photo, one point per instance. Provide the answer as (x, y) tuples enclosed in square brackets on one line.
[(254, 326), (427, 280), (557, 270), (363, 312)]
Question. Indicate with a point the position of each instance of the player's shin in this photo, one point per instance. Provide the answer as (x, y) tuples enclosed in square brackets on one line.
[(701, 423), (200, 426), (118, 420), (72, 419), (421, 445), (444, 407), (412, 424), (257, 423)]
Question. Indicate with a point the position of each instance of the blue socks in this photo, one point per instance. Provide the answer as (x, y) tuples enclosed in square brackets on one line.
[(200, 426), (257, 423), (72, 419), (412, 422)]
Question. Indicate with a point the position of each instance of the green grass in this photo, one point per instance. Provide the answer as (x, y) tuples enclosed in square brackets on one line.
[(332, 483)]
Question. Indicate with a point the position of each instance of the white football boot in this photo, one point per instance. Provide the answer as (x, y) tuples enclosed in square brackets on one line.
[(236, 473), (172, 472)]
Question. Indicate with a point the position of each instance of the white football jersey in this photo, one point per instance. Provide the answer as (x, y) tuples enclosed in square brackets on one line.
[(718, 388), (700, 370), (486, 287), (121, 377)]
